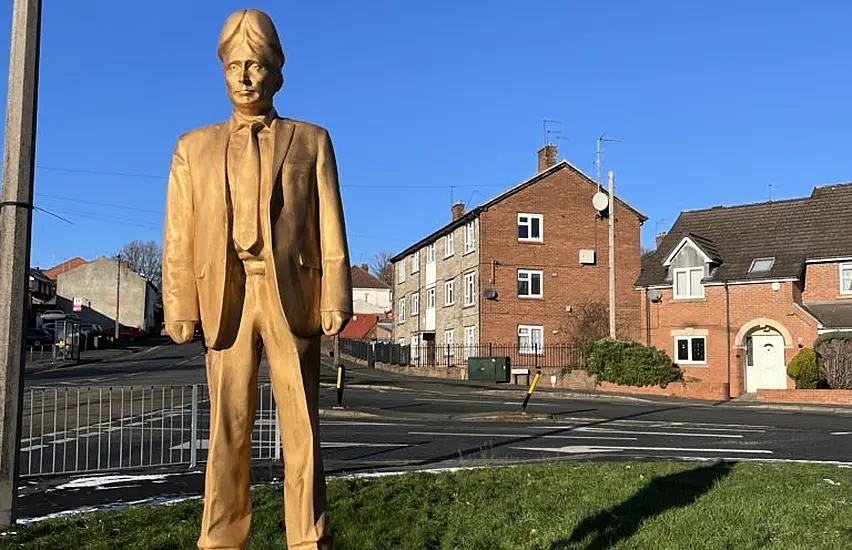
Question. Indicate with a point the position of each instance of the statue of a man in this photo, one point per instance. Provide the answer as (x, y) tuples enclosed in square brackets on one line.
[(255, 249)]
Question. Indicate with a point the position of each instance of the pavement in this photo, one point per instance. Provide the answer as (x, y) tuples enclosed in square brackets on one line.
[(389, 423)]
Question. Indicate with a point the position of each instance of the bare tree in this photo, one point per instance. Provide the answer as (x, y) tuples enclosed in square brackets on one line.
[(382, 266), (587, 322), (145, 259)]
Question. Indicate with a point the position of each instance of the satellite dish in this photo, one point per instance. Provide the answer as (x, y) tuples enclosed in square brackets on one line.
[(655, 295), (600, 201), (490, 294)]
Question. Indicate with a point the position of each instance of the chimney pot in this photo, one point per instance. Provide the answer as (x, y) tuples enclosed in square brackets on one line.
[(660, 237), (457, 211), (546, 157)]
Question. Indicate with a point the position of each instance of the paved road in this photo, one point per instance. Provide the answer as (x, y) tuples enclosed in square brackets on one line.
[(390, 423)]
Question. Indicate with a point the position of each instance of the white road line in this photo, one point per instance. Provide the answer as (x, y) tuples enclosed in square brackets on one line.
[(355, 423), (592, 429), (841, 433), (344, 445), (510, 435), (582, 449), (838, 463), (690, 425), (475, 401)]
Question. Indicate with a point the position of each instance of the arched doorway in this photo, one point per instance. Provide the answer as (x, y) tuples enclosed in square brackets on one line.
[(765, 365)]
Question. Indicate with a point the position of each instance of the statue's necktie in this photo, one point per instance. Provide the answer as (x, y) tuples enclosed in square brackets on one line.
[(248, 191)]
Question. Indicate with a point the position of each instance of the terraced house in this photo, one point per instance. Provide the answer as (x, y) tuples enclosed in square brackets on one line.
[(733, 293), (518, 268)]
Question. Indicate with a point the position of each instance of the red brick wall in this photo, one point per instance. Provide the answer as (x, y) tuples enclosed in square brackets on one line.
[(822, 283), (834, 397), (747, 303), (570, 224)]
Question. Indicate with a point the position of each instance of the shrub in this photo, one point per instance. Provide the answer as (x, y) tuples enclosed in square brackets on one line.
[(834, 356), (630, 364), (805, 371)]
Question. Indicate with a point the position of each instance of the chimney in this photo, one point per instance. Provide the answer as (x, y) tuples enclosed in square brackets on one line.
[(660, 237), (458, 210), (365, 267), (546, 157)]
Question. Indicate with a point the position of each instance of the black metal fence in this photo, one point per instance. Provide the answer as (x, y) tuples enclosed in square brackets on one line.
[(551, 355)]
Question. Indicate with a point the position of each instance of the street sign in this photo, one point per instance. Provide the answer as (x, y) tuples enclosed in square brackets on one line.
[(78, 304)]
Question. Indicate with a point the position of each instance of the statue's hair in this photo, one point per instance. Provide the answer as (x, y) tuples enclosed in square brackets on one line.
[(254, 29)]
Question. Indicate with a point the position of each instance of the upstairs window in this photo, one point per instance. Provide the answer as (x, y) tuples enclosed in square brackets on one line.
[(415, 303), (530, 227), (430, 298), (687, 282), (400, 310), (529, 283), (761, 265), (469, 237), (450, 245), (846, 278), (400, 271), (430, 254), (415, 262), (469, 289)]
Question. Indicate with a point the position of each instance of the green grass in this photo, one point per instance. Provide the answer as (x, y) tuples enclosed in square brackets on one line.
[(564, 506)]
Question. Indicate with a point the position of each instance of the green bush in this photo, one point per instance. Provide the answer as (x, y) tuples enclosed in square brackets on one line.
[(834, 357), (630, 364), (805, 371)]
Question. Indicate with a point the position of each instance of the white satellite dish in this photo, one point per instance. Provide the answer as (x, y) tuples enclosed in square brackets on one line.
[(600, 201)]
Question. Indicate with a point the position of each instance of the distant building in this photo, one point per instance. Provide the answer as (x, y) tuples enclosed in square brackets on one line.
[(369, 293), (94, 285), (41, 292)]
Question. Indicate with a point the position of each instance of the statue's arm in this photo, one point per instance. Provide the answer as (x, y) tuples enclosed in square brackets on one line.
[(336, 282), (180, 297)]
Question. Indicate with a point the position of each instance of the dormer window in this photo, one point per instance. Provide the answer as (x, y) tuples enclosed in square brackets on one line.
[(761, 265)]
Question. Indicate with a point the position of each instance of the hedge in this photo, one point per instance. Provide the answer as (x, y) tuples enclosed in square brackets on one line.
[(630, 364), (805, 371), (834, 357)]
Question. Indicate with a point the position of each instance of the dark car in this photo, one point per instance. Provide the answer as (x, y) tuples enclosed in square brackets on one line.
[(38, 337)]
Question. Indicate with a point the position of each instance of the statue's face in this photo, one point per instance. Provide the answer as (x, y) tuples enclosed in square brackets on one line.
[(250, 82)]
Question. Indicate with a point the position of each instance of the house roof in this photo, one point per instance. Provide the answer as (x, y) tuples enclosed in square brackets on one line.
[(790, 231), (831, 314), (473, 213), (360, 326), (67, 265), (362, 278)]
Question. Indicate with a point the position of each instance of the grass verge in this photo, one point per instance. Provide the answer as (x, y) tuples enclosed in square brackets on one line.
[(589, 506)]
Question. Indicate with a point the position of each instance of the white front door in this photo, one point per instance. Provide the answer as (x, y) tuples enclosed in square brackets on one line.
[(768, 371)]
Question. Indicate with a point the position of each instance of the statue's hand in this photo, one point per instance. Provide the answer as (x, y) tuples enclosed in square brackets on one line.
[(181, 331), (334, 321)]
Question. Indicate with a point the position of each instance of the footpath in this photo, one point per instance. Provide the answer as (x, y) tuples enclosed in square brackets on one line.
[(93, 355)]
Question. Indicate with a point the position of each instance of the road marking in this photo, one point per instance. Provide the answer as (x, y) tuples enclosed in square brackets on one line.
[(838, 463), (344, 445), (841, 433), (510, 435), (653, 423), (348, 423), (582, 449), (474, 401), (592, 429)]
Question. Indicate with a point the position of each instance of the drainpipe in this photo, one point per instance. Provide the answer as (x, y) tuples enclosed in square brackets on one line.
[(647, 318), (728, 330)]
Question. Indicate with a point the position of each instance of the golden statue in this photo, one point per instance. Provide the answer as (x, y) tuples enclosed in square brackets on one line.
[(255, 249)]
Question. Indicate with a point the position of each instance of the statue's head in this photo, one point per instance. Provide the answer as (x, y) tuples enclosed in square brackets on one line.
[(252, 58)]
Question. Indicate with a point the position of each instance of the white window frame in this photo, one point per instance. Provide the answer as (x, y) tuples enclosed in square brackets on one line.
[(469, 341), (690, 294), (469, 237), (844, 267), (450, 292), (528, 224), (449, 245), (431, 297), (430, 253), (400, 272), (415, 346), (400, 311), (470, 289), (449, 341), (415, 262), (528, 274), (689, 361), (528, 329), (415, 304)]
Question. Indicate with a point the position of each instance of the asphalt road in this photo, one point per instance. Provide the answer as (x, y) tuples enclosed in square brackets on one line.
[(389, 423)]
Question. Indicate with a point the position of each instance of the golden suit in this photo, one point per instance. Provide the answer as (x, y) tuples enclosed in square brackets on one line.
[(269, 297)]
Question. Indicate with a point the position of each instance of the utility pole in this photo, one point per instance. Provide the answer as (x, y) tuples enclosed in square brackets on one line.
[(612, 254), (16, 211), (117, 293)]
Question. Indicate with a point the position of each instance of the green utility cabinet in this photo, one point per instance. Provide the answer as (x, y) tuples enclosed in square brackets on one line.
[(488, 369)]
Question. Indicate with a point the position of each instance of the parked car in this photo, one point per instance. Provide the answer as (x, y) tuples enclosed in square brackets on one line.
[(125, 333), (39, 337)]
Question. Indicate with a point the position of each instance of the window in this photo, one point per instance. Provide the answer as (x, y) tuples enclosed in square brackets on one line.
[(687, 282), (846, 278), (470, 289), (430, 298), (469, 237), (469, 341), (761, 265), (415, 303), (415, 262), (450, 245), (449, 336), (690, 349), (400, 311), (529, 227), (400, 272), (401, 341), (430, 254), (449, 293), (530, 339), (415, 346), (529, 283)]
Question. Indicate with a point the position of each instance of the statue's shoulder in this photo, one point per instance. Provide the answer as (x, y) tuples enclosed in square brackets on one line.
[(201, 135), (306, 127)]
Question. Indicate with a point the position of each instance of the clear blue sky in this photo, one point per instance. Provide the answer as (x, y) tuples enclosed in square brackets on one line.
[(710, 103)]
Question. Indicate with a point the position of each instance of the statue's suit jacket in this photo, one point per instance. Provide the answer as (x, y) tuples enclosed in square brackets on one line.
[(301, 220)]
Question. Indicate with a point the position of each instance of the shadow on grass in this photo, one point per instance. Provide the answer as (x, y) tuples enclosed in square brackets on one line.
[(609, 527)]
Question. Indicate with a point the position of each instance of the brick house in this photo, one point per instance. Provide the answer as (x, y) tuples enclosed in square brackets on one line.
[(370, 294), (733, 293), (518, 268)]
